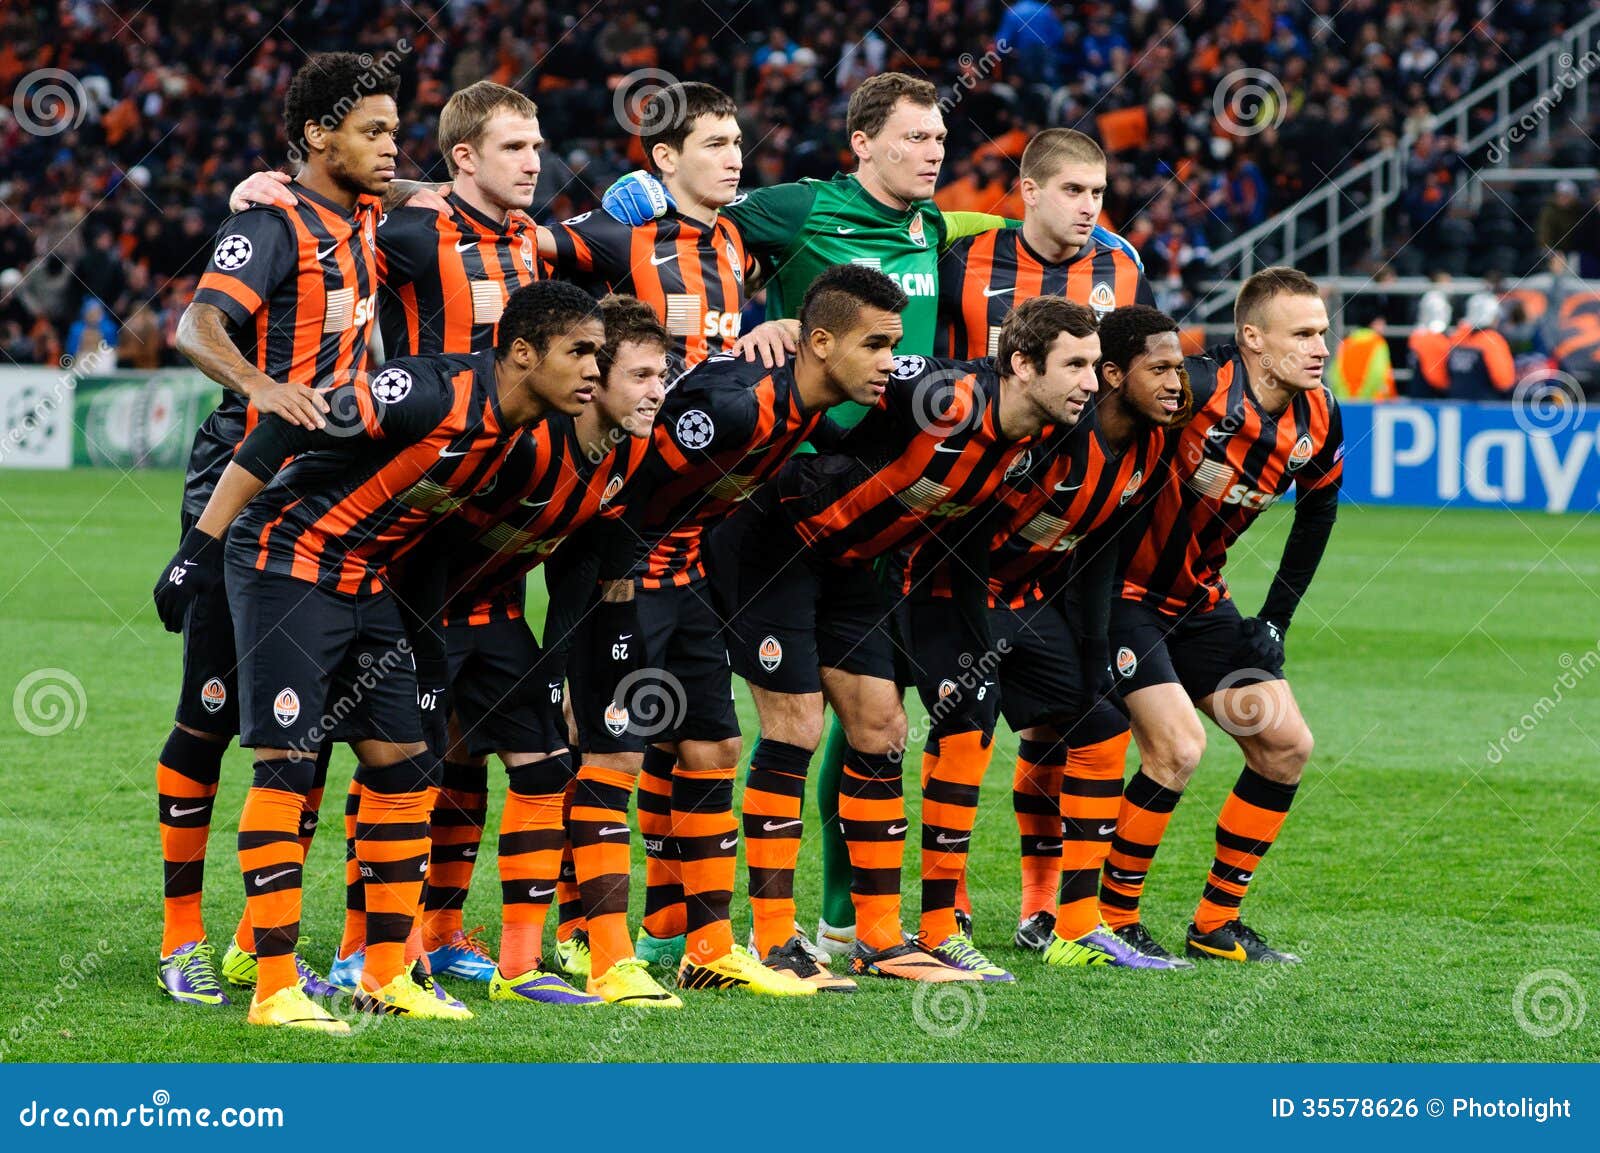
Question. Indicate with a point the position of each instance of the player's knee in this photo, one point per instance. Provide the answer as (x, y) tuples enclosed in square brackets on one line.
[(1174, 759), (877, 732)]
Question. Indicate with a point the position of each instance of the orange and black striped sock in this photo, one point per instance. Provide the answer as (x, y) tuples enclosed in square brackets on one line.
[(706, 834), (1091, 797), (664, 912), (569, 900), (1036, 799), (392, 851), (600, 851), (186, 790), (355, 893), (245, 935), (531, 837), (1246, 828), (454, 835), (773, 793), (872, 809), (272, 863), (950, 780), (1141, 823)]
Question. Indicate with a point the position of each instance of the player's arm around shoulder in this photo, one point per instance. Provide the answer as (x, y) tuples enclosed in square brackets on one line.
[(408, 245), (772, 219), (713, 406)]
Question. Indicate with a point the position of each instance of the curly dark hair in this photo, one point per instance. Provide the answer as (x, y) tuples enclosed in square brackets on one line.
[(836, 297), (1124, 331), (328, 86), (540, 312)]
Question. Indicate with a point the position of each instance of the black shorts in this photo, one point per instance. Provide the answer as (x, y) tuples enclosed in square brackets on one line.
[(503, 700), (318, 665), (1198, 649), (790, 613), (1033, 675), (209, 699), (683, 690)]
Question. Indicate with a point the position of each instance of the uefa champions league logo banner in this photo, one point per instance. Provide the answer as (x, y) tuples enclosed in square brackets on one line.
[(1473, 456)]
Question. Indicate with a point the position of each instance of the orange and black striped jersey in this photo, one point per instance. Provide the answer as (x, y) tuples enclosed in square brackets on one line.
[(403, 447), (446, 278), (547, 489), (1228, 464), (299, 288), (692, 275), (983, 277), (1069, 485), (930, 452), (724, 429)]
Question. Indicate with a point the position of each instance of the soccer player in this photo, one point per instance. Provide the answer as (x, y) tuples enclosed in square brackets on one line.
[(690, 264), (1054, 251), (321, 638), (807, 612), (881, 216), (1263, 421), (1048, 662), (287, 302), (726, 428), (505, 692)]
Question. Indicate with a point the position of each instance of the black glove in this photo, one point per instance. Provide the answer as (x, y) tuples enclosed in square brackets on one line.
[(432, 678), (1261, 644), (193, 570), (1099, 679)]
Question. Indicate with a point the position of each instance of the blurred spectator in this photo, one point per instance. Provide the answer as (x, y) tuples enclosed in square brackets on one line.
[(1428, 348), (1031, 30), (94, 333), (1480, 362), (1559, 219), (1361, 368), (139, 343)]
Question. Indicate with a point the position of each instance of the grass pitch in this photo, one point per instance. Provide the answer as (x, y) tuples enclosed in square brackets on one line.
[(1437, 873)]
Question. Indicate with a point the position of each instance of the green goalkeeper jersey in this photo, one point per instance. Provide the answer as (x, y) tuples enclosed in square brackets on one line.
[(800, 229)]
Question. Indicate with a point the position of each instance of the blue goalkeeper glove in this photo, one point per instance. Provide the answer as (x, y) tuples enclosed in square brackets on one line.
[(1108, 239), (637, 198)]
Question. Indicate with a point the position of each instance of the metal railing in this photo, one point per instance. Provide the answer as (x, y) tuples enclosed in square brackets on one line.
[(1319, 221)]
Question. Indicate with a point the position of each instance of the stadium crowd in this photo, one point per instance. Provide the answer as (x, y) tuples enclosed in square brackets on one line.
[(113, 186)]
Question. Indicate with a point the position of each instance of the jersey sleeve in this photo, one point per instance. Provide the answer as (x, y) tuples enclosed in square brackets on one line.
[(710, 417), (408, 245), (1202, 372), (959, 224), (593, 244), (770, 219), (255, 252)]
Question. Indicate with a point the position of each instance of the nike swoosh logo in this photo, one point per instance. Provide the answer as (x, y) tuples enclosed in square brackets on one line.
[(658, 261), (270, 877), (625, 637), (730, 842), (1046, 847), (612, 831), (535, 892), (1069, 487), (1125, 877), (177, 812), (995, 291), (946, 448), (469, 852), (1244, 878), (944, 840), (774, 826), (446, 452), (528, 503), (1236, 953), (846, 231), (324, 253), (464, 245), (1107, 830), (895, 830), (1218, 435)]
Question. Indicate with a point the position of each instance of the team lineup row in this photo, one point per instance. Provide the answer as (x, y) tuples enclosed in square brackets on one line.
[(965, 456)]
